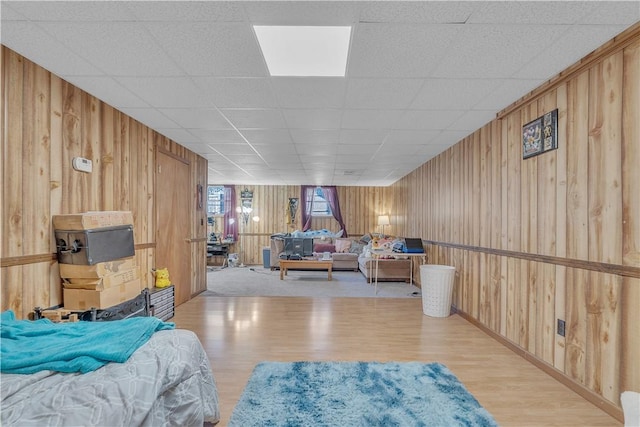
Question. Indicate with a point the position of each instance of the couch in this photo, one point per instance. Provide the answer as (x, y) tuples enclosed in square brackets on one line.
[(344, 257), (389, 270)]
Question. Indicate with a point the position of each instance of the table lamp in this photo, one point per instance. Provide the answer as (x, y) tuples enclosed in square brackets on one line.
[(382, 221)]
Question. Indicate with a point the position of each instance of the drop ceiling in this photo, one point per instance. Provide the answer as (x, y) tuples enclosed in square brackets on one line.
[(420, 75)]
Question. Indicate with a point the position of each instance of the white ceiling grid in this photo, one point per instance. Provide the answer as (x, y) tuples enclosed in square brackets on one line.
[(421, 75)]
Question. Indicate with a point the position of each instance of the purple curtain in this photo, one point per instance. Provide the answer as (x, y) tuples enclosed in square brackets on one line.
[(306, 197), (230, 227), (331, 194)]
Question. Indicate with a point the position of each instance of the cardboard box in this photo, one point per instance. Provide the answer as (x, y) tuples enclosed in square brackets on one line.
[(102, 283), (83, 299), (97, 270), (91, 220)]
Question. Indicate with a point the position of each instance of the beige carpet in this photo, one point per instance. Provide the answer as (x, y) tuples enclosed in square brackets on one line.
[(260, 281)]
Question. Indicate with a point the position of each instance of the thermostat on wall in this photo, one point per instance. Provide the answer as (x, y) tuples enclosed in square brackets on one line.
[(81, 164)]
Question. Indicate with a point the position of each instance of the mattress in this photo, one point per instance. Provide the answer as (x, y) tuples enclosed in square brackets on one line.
[(166, 382)]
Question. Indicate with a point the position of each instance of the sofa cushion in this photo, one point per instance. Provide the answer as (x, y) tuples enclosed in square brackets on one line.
[(343, 245), (324, 247), (356, 247), (344, 257)]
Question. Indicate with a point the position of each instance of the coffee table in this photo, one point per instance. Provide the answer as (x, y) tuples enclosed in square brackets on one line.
[(305, 264)]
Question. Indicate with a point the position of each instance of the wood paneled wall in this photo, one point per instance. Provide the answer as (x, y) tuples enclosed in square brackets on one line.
[(46, 122), (556, 236), (360, 207)]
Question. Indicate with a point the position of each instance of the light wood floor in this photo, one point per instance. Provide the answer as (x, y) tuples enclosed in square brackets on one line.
[(238, 332)]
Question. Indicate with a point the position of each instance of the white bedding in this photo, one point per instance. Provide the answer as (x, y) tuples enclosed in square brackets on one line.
[(166, 382)]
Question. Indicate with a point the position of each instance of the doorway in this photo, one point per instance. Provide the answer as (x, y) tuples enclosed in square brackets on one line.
[(173, 247)]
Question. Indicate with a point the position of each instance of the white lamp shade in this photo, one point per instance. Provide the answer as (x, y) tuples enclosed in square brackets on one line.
[(383, 220)]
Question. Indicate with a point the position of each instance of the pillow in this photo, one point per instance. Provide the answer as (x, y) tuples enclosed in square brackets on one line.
[(324, 247), (366, 238), (343, 245), (356, 247)]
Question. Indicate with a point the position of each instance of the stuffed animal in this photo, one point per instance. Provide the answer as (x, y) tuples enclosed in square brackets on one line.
[(162, 278)]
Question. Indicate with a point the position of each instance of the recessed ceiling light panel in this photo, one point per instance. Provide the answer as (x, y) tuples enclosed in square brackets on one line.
[(304, 51)]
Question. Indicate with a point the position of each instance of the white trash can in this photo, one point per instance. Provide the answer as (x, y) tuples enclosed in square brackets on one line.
[(437, 289)]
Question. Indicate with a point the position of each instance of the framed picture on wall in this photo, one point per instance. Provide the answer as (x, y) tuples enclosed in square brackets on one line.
[(540, 135), (532, 138)]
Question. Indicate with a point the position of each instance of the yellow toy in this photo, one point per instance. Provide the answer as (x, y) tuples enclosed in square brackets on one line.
[(162, 278)]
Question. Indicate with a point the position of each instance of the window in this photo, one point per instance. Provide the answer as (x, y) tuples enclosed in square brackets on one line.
[(215, 200), (320, 205)]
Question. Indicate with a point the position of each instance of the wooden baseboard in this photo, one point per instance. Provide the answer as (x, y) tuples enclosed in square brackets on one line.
[(611, 409)]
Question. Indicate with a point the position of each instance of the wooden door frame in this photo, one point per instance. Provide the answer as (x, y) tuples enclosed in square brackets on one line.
[(181, 289)]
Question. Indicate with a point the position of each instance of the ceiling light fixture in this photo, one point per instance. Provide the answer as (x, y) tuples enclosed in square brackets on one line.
[(307, 51)]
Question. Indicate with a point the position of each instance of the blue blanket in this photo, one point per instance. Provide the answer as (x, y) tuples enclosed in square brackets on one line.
[(31, 346)]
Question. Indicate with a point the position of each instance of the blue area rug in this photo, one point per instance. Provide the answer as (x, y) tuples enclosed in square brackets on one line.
[(356, 394)]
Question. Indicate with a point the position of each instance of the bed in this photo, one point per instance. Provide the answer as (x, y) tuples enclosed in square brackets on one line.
[(167, 381)]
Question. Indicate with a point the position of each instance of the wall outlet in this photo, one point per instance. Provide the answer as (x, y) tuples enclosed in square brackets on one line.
[(561, 327)]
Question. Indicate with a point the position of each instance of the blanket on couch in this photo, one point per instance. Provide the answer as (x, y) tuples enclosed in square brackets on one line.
[(28, 346)]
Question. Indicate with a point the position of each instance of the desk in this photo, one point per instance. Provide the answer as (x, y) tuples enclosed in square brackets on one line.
[(305, 264), (218, 249), (376, 254)]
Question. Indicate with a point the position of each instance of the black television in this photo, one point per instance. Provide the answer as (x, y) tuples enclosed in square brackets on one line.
[(298, 246)]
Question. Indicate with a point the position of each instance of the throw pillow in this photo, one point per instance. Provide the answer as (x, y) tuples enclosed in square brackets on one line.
[(343, 245), (356, 247), (324, 247), (366, 238)]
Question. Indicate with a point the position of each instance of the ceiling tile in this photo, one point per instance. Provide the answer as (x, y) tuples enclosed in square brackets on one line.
[(118, 57), (317, 149), (494, 51), (381, 93), (428, 119), (267, 136), (452, 94), (235, 92), (370, 119), (302, 13), (197, 118), (311, 136), (472, 120), (312, 118), (229, 150), (23, 36), (507, 92), (166, 92), (523, 12), (574, 44), (73, 11), (216, 51), (309, 92), (410, 136), (389, 50), (432, 12), (362, 136), (255, 118), (172, 11), (218, 136)]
